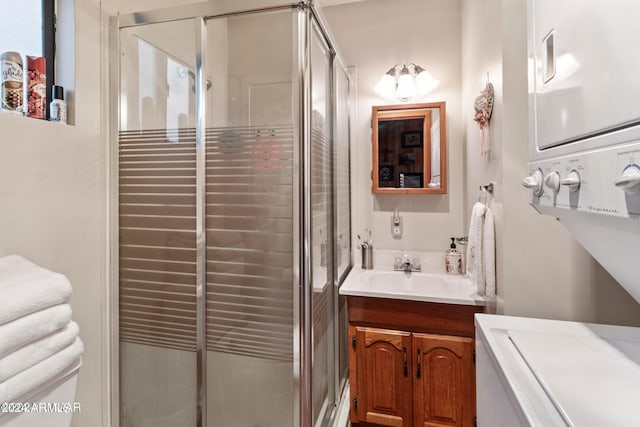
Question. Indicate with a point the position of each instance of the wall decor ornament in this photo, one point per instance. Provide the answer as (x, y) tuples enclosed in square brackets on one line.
[(483, 105)]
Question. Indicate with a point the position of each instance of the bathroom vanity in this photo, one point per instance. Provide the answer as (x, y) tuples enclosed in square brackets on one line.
[(411, 357)]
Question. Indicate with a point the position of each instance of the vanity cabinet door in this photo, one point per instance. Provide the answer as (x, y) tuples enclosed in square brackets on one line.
[(443, 380), (381, 367)]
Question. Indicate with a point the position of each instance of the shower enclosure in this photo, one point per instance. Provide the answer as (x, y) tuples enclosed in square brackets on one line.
[(231, 216)]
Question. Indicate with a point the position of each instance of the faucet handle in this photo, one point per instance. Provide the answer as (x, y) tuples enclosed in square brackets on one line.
[(415, 263), (397, 263)]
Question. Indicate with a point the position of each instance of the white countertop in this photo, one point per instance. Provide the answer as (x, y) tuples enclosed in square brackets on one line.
[(566, 373), (430, 285)]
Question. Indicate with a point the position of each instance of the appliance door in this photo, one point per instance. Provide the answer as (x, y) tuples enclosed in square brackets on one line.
[(584, 68), (494, 406), (535, 372), (508, 393)]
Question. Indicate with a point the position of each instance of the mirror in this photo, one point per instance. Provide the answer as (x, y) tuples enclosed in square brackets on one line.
[(409, 149)]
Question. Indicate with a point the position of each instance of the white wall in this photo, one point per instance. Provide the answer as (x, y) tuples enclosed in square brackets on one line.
[(373, 36), (541, 270), (53, 190), (482, 63), (53, 193)]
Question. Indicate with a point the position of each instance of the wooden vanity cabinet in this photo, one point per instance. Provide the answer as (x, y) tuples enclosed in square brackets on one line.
[(382, 363), (411, 363), (443, 389)]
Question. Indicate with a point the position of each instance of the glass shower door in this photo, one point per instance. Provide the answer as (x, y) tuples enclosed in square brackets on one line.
[(342, 197), (233, 226), (157, 232), (249, 220), (322, 295)]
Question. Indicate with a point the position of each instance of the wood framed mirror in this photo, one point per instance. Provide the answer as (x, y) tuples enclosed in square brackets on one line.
[(409, 144)]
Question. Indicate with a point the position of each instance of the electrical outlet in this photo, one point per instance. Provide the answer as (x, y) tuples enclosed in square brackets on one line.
[(396, 227)]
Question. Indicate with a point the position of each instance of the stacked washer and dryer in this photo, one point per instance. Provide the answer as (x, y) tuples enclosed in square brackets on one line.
[(584, 169)]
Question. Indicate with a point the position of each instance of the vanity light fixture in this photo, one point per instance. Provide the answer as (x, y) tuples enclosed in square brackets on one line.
[(405, 81)]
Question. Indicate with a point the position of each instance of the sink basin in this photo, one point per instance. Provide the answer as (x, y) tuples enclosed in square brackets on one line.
[(424, 286), (399, 280)]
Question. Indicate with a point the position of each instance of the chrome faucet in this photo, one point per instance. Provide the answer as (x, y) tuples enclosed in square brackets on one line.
[(407, 266)]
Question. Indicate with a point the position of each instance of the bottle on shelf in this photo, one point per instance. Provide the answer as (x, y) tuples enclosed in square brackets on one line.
[(11, 87), (453, 259), (36, 79), (58, 106)]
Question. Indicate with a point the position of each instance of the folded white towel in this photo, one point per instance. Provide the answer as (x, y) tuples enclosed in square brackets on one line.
[(35, 352), (31, 327), (29, 379), (474, 247), (489, 254), (26, 288)]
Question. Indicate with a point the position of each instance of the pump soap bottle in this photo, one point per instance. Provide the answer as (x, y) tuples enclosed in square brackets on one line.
[(453, 259)]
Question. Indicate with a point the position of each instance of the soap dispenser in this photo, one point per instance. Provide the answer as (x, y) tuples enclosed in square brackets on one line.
[(453, 259)]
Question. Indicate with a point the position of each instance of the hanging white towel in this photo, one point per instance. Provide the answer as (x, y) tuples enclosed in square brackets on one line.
[(37, 351), (29, 379), (489, 254), (26, 288), (31, 327), (474, 247)]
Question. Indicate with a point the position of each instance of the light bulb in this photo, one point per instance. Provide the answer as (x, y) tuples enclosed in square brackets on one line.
[(425, 81), (386, 86), (406, 85)]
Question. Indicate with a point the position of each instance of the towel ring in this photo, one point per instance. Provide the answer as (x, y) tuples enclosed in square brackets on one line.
[(485, 192), (488, 188)]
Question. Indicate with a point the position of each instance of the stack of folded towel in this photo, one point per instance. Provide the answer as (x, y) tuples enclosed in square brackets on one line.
[(38, 339)]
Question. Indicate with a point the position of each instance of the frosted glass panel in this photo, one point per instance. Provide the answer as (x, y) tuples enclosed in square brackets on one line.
[(249, 216), (343, 213), (157, 245), (158, 77), (341, 170), (321, 231)]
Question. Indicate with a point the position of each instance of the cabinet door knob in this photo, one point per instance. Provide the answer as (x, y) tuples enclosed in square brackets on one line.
[(418, 370), (404, 360)]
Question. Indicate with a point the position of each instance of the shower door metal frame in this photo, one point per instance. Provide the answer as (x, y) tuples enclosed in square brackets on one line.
[(201, 219), (113, 285), (303, 351), (302, 318)]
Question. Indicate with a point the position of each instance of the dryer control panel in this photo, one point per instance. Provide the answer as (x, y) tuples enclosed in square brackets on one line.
[(603, 181)]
